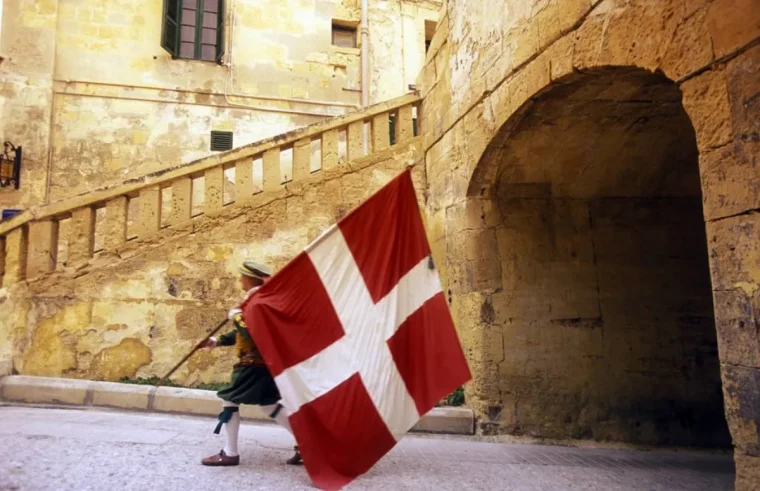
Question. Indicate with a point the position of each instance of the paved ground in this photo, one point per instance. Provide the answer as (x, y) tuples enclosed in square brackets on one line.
[(70, 449)]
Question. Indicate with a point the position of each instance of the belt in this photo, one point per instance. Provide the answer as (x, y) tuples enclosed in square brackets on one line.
[(250, 360)]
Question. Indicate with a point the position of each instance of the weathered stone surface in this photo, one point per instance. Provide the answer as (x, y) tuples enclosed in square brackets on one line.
[(182, 198), (82, 237), (747, 471), (741, 386), (271, 179), (705, 99), (187, 401), (16, 244), (135, 312), (43, 390), (639, 34), (301, 159), (120, 395), (571, 11), (149, 215), (120, 109), (549, 23), (691, 47), (563, 212), (738, 324), (732, 24), (43, 248), (330, 149), (193, 323), (588, 41), (213, 197), (459, 421), (561, 58), (735, 253), (743, 79), (730, 179), (115, 224)]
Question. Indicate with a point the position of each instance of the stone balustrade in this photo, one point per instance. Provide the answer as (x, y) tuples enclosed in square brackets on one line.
[(103, 220)]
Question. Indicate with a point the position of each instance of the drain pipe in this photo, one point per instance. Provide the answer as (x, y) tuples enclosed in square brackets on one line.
[(365, 72), (365, 55)]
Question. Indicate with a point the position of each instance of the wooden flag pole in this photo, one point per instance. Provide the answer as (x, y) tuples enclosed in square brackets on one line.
[(196, 348)]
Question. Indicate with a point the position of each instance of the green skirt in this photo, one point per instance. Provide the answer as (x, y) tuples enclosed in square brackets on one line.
[(251, 385)]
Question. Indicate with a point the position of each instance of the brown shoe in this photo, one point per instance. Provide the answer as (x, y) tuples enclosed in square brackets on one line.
[(221, 460), (296, 459)]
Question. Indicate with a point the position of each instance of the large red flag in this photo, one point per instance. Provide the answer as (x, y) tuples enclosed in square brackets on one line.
[(358, 336)]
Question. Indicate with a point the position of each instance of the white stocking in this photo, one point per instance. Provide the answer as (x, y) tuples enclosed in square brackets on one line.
[(281, 418), (231, 429)]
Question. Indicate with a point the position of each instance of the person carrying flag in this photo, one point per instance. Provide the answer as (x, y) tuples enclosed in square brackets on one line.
[(251, 382)]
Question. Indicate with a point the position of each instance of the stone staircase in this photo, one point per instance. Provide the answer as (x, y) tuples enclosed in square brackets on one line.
[(102, 221)]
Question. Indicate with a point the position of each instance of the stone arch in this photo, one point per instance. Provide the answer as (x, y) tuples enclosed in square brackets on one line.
[(605, 87), (709, 52), (667, 37), (601, 312)]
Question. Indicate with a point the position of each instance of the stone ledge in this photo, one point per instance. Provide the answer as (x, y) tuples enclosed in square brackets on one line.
[(450, 420), (6, 367), (45, 390)]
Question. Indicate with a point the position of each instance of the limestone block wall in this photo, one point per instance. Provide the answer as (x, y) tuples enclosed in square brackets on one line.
[(487, 67), (397, 32), (95, 100), (26, 87), (141, 311)]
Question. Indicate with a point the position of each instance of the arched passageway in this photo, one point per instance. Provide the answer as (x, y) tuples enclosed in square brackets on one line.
[(605, 309)]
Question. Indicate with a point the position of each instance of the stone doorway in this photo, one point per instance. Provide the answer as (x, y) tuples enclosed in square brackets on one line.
[(604, 314)]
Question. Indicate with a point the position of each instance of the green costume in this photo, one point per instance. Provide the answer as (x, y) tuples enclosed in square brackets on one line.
[(251, 382)]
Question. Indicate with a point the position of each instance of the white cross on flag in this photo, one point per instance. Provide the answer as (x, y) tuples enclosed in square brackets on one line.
[(358, 336)]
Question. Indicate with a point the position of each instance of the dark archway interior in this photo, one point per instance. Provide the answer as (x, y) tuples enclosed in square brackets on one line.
[(606, 310)]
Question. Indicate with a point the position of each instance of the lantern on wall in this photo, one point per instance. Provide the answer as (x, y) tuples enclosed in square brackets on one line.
[(10, 166)]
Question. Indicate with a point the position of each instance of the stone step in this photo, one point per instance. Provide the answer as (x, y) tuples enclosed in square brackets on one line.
[(75, 392)]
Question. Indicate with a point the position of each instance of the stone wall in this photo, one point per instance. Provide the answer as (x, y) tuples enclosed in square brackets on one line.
[(601, 325), (95, 100), (487, 69), (138, 313)]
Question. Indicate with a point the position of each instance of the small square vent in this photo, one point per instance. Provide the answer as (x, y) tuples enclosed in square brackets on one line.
[(221, 141)]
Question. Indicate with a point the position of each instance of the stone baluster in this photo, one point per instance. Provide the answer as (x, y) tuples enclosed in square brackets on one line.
[(115, 223), (2, 261), (302, 159), (271, 174), (149, 220), (214, 193), (405, 123), (355, 136), (330, 149), (82, 236), (182, 200), (380, 132), (418, 113), (42, 248), (243, 179), (15, 247)]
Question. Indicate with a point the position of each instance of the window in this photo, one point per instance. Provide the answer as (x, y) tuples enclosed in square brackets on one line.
[(343, 36), (194, 29)]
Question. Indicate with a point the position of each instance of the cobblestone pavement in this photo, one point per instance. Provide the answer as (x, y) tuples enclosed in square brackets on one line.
[(73, 449)]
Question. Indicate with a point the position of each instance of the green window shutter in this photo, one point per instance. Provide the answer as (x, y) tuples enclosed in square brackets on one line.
[(221, 15), (171, 26)]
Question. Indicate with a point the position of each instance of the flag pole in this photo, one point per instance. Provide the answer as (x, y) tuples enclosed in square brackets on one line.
[(198, 346)]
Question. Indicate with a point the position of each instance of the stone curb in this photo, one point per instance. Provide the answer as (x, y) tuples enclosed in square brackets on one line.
[(45, 390)]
